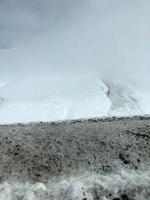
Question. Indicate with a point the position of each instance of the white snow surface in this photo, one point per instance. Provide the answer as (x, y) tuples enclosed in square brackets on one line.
[(49, 98), (52, 97)]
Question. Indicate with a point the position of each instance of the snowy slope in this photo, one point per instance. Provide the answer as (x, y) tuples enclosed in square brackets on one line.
[(70, 59), (51, 97)]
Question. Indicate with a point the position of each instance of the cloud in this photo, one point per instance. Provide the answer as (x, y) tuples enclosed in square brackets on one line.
[(101, 36)]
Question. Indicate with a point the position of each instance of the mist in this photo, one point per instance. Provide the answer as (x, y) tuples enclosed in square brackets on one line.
[(62, 36), (59, 58)]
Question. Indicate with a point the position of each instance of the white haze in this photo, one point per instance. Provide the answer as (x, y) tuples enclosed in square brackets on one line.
[(60, 50)]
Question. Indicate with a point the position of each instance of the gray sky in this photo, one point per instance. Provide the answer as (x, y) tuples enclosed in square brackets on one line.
[(96, 36)]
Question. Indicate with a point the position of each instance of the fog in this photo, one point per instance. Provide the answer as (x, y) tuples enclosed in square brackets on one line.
[(83, 36), (59, 59)]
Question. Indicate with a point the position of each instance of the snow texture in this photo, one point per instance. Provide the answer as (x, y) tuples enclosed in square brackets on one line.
[(124, 185)]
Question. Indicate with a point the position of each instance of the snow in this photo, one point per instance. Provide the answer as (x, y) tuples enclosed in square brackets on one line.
[(86, 186), (50, 98), (56, 58)]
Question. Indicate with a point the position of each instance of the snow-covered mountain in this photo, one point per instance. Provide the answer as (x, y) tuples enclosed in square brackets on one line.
[(51, 97), (67, 59)]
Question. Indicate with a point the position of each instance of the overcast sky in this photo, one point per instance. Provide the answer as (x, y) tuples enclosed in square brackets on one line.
[(79, 36)]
